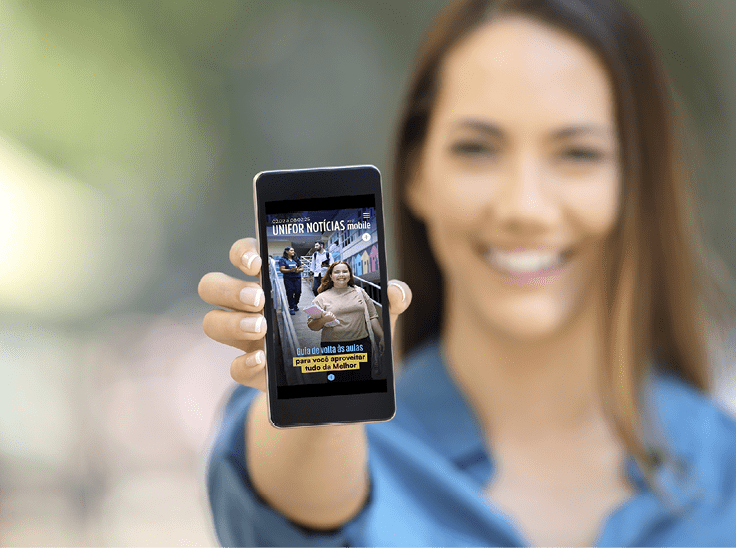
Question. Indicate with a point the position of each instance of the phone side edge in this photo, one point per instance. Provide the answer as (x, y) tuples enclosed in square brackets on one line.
[(260, 280), (384, 291)]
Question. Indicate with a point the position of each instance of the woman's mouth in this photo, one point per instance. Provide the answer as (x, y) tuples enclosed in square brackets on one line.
[(526, 265)]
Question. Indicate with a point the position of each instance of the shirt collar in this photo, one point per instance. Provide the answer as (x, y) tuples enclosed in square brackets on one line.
[(446, 419)]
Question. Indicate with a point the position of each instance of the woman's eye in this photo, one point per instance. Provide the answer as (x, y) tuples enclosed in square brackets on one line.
[(582, 155), (472, 148)]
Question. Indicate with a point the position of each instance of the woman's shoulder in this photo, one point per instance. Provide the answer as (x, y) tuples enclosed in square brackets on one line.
[(701, 430), (680, 404), (363, 294)]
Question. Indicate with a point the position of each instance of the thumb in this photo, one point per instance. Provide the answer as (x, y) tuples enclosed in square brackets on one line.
[(399, 299)]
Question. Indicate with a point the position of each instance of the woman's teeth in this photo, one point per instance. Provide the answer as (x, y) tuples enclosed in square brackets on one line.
[(524, 262)]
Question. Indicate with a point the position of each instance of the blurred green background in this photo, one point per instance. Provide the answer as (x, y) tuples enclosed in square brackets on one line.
[(129, 136)]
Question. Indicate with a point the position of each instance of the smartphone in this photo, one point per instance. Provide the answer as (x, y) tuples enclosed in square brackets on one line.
[(332, 219)]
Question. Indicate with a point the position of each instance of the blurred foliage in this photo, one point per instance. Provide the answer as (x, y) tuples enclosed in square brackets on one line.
[(94, 84), (116, 97)]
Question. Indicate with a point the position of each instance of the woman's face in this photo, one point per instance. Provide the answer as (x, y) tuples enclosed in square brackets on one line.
[(290, 252), (519, 179), (340, 275)]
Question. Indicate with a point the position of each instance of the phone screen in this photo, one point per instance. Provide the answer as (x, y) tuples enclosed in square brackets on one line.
[(324, 257)]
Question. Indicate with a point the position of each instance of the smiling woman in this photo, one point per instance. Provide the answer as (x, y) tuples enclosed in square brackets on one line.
[(537, 161), (554, 384), (349, 318)]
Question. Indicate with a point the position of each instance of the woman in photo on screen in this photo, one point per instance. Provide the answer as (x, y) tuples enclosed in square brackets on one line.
[(350, 305), (556, 379), (291, 267)]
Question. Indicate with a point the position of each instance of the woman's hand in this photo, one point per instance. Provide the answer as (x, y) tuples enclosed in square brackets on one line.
[(292, 480), (381, 346), (318, 322), (241, 324)]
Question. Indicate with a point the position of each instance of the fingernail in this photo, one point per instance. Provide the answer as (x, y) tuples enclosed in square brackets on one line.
[(403, 293), (252, 325), (256, 359), (248, 258), (251, 296)]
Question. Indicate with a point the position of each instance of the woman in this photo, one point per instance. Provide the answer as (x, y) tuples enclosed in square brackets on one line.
[(349, 305), (291, 267), (554, 389)]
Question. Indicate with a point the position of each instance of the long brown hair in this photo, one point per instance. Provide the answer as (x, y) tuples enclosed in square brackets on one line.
[(656, 296), (327, 282)]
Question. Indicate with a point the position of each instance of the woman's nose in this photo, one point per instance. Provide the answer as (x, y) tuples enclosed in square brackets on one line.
[(524, 198)]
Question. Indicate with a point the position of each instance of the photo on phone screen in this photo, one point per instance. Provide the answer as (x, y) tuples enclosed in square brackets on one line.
[(323, 257)]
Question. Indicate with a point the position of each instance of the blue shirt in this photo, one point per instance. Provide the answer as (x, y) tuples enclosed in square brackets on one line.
[(429, 466), (290, 263)]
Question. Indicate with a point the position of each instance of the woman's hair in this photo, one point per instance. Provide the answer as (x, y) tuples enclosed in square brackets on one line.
[(286, 252), (656, 297), (327, 282)]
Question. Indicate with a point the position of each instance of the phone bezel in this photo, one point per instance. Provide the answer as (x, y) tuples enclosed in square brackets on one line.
[(324, 182)]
